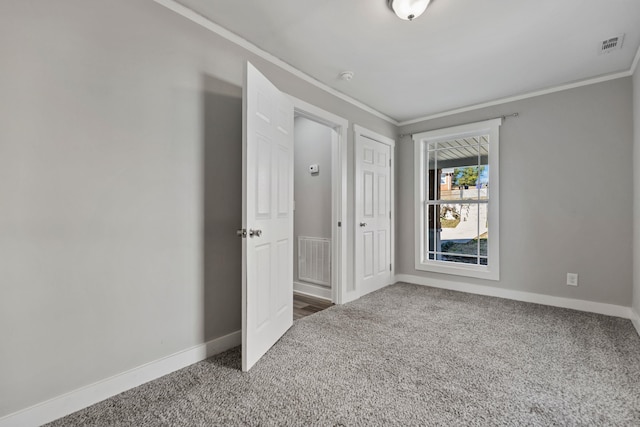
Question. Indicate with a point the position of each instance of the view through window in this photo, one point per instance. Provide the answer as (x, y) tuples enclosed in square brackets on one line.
[(458, 182)]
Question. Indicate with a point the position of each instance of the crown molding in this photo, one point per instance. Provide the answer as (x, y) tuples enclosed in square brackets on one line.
[(553, 89), (527, 95), (234, 38), (195, 17)]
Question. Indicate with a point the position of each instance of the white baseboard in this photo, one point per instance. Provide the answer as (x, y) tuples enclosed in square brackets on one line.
[(73, 401), (575, 304), (311, 290), (636, 320)]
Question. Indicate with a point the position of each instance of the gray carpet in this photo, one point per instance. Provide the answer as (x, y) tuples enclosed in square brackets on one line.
[(407, 355)]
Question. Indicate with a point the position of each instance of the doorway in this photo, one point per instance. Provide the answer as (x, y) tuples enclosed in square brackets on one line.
[(319, 203), (312, 208)]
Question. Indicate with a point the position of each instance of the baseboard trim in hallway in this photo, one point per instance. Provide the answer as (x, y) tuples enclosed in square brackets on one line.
[(315, 291), (75, 400)]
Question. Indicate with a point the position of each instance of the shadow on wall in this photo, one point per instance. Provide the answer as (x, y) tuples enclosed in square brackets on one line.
[(222, 202)]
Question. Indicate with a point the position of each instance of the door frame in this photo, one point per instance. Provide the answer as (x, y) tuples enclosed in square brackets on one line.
[(339, 233), (359, 133)]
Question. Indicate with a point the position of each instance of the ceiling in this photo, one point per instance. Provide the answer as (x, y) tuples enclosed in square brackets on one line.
[(459, 53)]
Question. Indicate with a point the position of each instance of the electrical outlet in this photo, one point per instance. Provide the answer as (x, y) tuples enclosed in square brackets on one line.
[(572, 279)]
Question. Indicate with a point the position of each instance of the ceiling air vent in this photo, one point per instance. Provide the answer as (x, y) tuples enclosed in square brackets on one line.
[(611, 44)]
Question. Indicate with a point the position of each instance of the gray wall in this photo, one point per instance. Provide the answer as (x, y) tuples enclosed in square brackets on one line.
[(222, 205), (636, 191), (312, 193), (565, 176), (118, 191)]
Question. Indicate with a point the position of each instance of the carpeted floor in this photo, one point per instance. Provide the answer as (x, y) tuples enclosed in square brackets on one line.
[(407, 355)]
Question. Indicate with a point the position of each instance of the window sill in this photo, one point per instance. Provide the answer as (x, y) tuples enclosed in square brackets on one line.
[(479, 272)]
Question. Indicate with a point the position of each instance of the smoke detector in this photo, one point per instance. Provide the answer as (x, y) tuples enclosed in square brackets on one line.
[(346, 75), (611, 44)]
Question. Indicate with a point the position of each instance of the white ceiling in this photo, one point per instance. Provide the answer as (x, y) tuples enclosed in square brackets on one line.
[(459, 53)]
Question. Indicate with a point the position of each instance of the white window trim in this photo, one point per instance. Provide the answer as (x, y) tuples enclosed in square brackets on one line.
[(492, 270)]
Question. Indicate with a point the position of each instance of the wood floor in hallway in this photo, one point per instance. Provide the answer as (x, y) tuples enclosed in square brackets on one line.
[(304, 305)]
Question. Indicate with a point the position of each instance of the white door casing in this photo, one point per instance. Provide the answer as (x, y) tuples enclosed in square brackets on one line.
[(374, 231), (267, 262)]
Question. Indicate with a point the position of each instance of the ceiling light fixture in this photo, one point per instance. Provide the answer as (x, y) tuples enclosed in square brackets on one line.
[(408, 9)]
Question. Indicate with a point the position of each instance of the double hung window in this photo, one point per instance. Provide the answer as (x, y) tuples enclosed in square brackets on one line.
[(456, 193)]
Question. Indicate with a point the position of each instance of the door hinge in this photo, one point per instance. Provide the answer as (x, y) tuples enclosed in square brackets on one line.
[(339, 223), (389, 162), (389, 214), (390, 267)]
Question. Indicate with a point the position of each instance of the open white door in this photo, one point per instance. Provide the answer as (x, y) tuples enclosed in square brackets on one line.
[(267, 249), (374, 208)]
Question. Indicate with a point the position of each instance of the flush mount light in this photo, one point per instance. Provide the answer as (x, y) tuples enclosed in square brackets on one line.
[(408, 9)]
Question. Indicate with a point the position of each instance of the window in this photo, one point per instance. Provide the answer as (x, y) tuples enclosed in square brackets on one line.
[(456, 185)]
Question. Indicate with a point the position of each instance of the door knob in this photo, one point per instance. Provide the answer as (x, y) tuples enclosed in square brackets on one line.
[(256, 233), (242, 232), (363, 224)]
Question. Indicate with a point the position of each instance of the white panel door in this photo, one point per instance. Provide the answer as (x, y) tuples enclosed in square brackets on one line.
[(373, 262), (267, 279)]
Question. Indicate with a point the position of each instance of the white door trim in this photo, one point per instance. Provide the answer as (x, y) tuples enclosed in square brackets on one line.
[(339, 234), (359, 133)]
